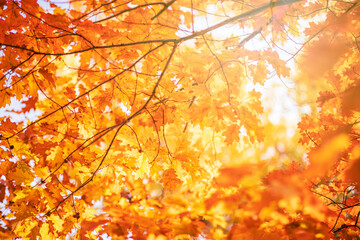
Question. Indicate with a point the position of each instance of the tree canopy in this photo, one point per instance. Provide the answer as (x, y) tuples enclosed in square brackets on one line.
[(145, 119)]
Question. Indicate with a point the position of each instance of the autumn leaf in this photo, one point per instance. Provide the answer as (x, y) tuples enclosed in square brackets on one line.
[(323, 158), (22, 174), (30, 104), (170, 180), (351, 100), (7, 126), (179, 119), (232, 134), (230, 176), (48, 77), (324, 97), (353, 170), (2, 192)]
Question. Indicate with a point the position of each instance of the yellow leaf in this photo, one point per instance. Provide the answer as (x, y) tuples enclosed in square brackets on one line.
[(57, 221), (22, 174), (44, 232), (144, 169)]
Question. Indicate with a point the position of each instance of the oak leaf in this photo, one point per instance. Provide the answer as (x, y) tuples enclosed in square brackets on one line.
[(170, 180)]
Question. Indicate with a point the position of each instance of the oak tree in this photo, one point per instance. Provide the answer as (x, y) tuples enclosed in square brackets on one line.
[(144, 119)]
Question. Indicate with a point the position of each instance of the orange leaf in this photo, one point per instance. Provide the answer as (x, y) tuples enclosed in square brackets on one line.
[(230, 176), (232, 134), (48, 76), (170, 180)]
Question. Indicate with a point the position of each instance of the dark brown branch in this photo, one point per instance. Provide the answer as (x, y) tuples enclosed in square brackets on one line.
[(310, 138), (353, 6), (191, 36), (357, 219), (240, 16), (342, 206), (163, 41), (254, 34), (130, 9), (136, 136), (86, 93), (166, 6), (50, 25), (89, 179), (28, 73), (332, 201), (98, 135), (118, 126), (336, 221), (15, 67)]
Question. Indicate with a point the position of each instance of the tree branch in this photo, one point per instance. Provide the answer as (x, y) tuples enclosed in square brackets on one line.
[(191, 36), (166, 6), (131, 9)]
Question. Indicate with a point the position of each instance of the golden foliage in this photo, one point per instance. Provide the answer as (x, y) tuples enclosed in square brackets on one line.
[(154, 120)]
